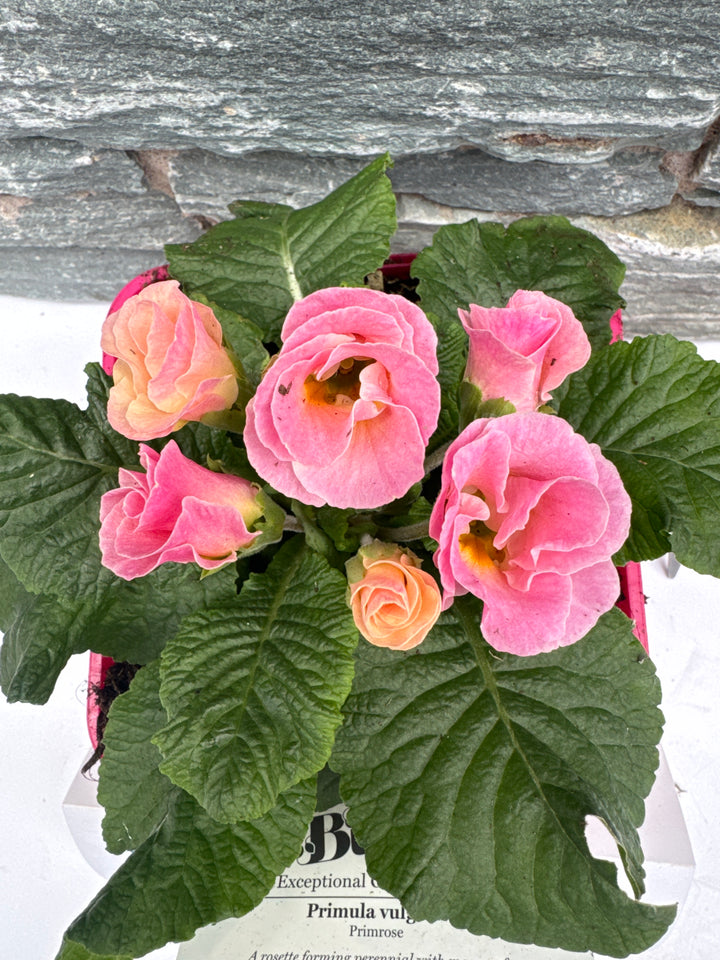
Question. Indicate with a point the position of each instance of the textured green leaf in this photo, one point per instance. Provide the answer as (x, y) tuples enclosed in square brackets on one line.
[(245, 342), (473, 407), (452, 357), (270, 255), (653, 406), (469, 776), (12, 595), (328, 789), (485, 263), (76, 951), (253, 690), (55, 463), (345, 527), (36, 646), (136, 796), (126, 621), (191, 872)]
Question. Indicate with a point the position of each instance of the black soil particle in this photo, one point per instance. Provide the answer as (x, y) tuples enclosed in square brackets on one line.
[(117, 681)]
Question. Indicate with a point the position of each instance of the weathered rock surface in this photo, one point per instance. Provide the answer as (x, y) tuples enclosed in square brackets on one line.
[(103, 221), (527, 80), (623, 183), (130, 125), (204, 183), (71, 273), (672, 283), (45, 167), (706, 190)]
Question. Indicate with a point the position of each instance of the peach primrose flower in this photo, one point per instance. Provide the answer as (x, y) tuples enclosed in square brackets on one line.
[(524, 350), (528, 518), (171, 366), (394, 603), (345, 411), (175, 511)]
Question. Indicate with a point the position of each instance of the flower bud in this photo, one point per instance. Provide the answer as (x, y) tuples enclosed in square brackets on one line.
[(394, 603)]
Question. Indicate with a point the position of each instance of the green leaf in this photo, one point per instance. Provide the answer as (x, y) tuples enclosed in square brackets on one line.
[(136, 796), (76, 951), (244, 340), (473, 407), (469, 776), (485, 263), (270, 255), (210, 448), (653, 406), (127, 621), (36, 646), (345, 527), (328, 789), (452, 358), (253, 690), (55, 463), (191, 872), (12, 595)]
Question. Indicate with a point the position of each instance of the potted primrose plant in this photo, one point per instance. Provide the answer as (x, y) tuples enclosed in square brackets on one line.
[(348, 535)]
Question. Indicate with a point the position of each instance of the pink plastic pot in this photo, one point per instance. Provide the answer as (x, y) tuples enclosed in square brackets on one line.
[(96, 681)]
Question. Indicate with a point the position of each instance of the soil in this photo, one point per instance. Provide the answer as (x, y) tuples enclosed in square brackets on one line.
[(117, 681), (402, 286), (394, 277)]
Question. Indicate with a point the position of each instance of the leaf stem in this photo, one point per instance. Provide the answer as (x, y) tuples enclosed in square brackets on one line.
[(293, 285), (436, 457), (414, 531), (316, 539)]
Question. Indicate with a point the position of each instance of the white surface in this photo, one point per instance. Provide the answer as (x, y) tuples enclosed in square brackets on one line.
[(44, 880)]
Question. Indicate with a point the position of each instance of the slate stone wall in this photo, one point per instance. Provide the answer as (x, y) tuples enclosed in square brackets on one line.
[(125, 124)]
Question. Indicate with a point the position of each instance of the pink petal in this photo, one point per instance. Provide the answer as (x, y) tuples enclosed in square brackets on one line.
[(383, 459), (279, 473), (595, 590), (527, 623), (211, 532), (359, 324), (501, 373), (418, 335)]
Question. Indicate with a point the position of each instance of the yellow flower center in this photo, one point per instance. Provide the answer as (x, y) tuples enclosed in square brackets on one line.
[(341, 388), (477, 548)]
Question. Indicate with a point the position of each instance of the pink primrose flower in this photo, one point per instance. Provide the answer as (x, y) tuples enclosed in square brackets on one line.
[(394, 603), (524, 350), (171, 366), (175, 511), (137, 284), (528, 518), (345, 411)]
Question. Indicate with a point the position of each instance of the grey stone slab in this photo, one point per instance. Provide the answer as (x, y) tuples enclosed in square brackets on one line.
[(47, 167), (703, 198), (144, 222), (527, 79), (672, 284), (707, 180), (71, 273), (205, 183), (624, 183)]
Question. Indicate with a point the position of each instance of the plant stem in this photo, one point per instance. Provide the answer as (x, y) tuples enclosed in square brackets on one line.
[(316, 538), (435, 458), (414, 531)]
